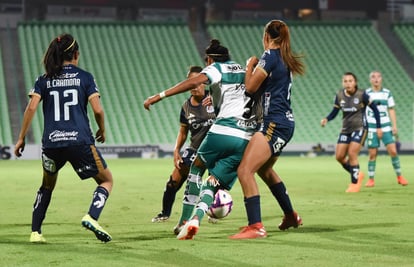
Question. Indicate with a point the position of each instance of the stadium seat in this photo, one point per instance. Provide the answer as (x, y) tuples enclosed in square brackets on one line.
[(5, 126), (131, 61), (329, 51)]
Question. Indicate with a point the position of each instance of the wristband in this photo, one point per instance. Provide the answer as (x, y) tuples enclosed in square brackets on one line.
[(162, 94)]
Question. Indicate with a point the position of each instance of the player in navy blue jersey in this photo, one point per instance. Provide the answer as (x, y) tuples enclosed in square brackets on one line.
[(65, 90), (196, 119), (353, 103), (271, 78)]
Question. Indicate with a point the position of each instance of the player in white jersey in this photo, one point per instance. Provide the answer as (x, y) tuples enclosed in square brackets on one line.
[(222, 149), (385, 104)]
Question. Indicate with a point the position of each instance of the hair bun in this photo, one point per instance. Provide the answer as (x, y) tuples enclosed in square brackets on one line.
[(214, 43)]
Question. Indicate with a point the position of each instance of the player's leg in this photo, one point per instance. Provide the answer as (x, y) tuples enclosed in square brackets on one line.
[(356, 175), (256, 154), (87, 161), (341, 152), (390, 144), (51, 168), (192, 192), (373, 144), (280, 193), (207, 193), (173, 185)]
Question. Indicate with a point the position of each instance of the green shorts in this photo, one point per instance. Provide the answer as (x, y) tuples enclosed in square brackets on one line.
[(374, 142), (222, 155)]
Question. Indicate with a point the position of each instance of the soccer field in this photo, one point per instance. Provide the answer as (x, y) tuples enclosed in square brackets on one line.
[(370, 228)]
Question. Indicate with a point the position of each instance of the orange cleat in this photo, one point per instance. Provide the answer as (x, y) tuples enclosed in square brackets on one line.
[(353, 188), (253, 231), (360, 177), (402, 181), (370, 183)]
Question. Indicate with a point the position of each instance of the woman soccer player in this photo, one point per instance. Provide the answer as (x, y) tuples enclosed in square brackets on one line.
[(196, 119), (353, 103), (386, 106), (271, 78), (65, 90)]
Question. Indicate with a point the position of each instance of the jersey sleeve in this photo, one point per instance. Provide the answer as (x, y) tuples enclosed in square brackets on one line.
[(391, 102), (267, 62), (183, 118), (366, 99), (213, 74), (36, 90), (91, 87)]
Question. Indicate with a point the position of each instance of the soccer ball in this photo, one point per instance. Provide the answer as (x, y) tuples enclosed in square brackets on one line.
[(221, 206)]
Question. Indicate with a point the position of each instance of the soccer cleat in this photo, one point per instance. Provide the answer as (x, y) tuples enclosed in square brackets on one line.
[(212, 220), (177, 229), (290, 220), (189, 230), (160, 218), (354, 188), (402, 181), (252, 231), (360, 177), (35, 237), (89, 223), (370, 183)]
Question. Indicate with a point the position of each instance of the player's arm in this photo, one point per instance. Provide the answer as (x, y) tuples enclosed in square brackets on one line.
[(393, 118), (255, 75), (181, 87), (27, 120), (179, 143), (374, 108), (368, 102), (99, 113), (334, 112)]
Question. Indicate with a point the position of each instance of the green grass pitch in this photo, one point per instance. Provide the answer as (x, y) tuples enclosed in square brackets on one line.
[(370, 228)]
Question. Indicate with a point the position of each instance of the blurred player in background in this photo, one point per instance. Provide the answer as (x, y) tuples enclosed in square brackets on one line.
[(353, 103), (271, 79), (65, 91), (196, 119), (222, 149), (385, 104)]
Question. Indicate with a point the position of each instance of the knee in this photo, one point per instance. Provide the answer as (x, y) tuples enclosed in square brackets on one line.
[(242, 172), (339, 158)]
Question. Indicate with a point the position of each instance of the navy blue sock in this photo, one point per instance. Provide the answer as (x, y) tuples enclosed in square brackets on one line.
[(280, 193), (98, 202), (354, 173), (252, 205), (39, 208), (346, 166), (169, 197)]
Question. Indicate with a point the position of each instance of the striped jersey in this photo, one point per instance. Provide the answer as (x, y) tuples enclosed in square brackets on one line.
[(226, 80), (198, 119), (384, 101), (65, 100)]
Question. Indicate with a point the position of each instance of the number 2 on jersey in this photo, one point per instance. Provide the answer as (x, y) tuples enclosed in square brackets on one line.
[(71, 95)]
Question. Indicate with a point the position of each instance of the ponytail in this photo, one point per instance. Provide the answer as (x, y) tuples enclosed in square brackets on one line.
[(60, 49), (279, 33)]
